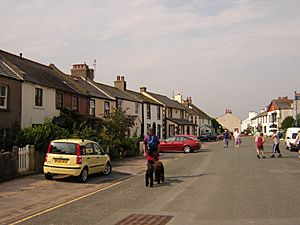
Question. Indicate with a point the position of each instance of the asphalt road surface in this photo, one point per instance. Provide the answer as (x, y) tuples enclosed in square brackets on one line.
[(216, 186)]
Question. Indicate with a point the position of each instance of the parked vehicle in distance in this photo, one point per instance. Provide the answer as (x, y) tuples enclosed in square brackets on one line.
[(290, 138), (220, 136), (179, 143), (208, 137), (76, 157)]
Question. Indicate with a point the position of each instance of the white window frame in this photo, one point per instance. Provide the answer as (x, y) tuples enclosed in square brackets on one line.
[(137, 108), (120, 103), (106, 108), (148, 109), (35, 97), (158, 113), (5, 96), (92, 104)]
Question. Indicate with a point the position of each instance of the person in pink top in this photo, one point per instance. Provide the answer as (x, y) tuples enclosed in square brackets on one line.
[(260, 146)]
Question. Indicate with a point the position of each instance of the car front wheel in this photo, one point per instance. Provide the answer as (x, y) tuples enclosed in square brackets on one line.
[(187, 149), (83, 176), (107, 169)]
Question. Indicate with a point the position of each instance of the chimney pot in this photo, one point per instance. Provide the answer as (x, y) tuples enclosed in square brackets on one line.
[(143, 89)]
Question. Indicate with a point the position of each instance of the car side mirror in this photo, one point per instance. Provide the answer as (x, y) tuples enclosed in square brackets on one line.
[(165, 141)]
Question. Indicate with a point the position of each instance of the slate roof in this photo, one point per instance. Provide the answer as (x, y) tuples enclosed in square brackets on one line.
[(7, 72), (142, 97), (115, 92), (190, 111), (167, 101), (264, 113), (34, 72), (181, 121), (79, 84), (283, 103), (200, 112)]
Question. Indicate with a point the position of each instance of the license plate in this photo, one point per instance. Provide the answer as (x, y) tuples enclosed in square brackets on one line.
[(60, 160)]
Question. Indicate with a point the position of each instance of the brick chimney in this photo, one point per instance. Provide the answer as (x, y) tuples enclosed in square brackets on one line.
[(120, 83), (143, 89), (82, 70)]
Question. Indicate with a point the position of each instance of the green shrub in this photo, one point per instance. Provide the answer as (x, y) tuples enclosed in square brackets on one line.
[(41, 135)]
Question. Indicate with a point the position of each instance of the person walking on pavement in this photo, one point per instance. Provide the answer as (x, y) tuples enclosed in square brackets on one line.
[(276, 141), (150, 146), (226, 139), (237, 138), (260, 146)]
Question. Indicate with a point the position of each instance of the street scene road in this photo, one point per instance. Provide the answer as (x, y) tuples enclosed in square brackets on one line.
[(211, 186)]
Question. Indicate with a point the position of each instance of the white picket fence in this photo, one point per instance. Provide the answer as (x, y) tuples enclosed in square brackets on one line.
[(24, 159)]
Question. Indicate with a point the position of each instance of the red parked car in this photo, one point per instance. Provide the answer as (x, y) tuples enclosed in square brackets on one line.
[(179, 143)]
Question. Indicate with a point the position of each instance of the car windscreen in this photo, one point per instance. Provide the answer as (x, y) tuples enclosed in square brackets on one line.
[(63, 148)]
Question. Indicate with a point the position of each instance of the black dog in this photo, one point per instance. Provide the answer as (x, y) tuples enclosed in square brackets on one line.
[(149, 173), (159, 172)]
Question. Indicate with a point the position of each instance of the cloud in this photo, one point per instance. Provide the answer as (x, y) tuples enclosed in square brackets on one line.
[(195, 47)]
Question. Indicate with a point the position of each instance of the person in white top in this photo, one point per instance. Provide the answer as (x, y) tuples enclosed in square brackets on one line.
[(237, 138)]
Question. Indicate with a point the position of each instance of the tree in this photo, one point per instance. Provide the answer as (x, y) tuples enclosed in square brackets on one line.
[(289, 121), (115, 132)]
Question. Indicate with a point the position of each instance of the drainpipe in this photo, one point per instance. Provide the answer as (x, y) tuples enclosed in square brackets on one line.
[(143, 122)]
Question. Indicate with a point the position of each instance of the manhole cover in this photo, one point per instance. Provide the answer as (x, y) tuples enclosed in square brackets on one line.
[(144, 219)]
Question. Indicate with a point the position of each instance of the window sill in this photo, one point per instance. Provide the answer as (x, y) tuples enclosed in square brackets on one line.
[(39, 107)]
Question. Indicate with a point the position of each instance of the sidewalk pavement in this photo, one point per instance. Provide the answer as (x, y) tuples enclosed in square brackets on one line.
[(31, 194)]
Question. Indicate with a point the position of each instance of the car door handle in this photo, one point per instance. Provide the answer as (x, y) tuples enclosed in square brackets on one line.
[(98, 157), (88, 157)]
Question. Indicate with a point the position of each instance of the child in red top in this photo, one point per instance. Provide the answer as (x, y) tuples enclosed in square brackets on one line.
[(260, 146)]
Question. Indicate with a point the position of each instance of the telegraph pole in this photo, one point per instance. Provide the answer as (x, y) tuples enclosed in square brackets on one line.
[(296, 97)]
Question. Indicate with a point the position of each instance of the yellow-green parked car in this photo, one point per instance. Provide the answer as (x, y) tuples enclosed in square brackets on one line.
[(76, 157)]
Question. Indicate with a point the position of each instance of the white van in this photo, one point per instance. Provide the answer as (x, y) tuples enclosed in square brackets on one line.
[(290, 137)]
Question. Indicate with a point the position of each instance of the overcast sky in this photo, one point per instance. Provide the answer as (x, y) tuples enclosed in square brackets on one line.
[(225, 54)]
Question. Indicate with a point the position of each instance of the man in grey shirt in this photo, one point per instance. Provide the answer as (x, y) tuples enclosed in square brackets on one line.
[(276, 141)]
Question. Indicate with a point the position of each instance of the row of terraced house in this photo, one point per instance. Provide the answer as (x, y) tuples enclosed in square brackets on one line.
[(31, 92)]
